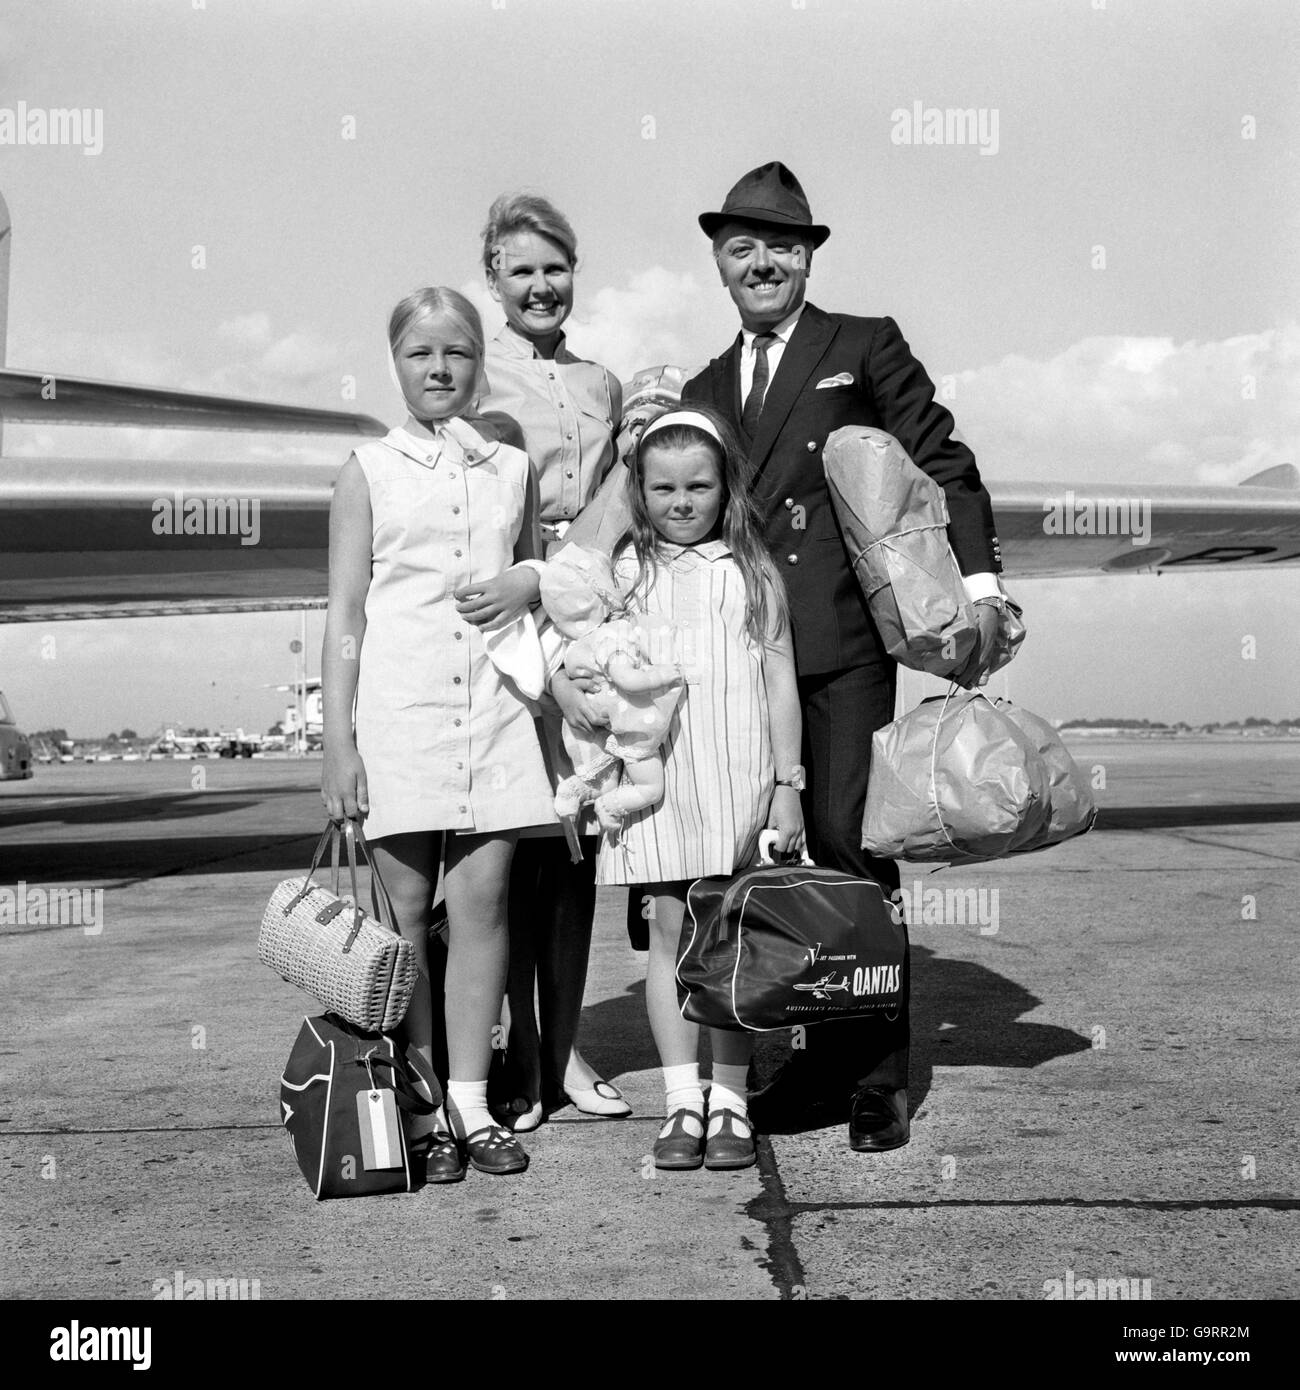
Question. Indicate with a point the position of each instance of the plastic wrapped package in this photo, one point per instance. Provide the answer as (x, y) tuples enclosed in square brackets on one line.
[(961, 779)]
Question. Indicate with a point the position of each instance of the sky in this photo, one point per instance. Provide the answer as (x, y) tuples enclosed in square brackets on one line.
[(1095, 282)]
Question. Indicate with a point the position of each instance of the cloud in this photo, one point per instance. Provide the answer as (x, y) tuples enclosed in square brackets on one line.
[(253, 329), (652, 320), (1114, 409)]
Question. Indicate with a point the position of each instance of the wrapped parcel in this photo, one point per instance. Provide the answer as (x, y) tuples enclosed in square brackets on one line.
[(895, 523), (961, 779), (1071, 807)]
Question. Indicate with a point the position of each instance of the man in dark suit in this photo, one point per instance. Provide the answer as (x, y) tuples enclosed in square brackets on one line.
[(793, 376)]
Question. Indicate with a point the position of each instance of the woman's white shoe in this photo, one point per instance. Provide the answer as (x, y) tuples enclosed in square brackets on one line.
[(601, 1099)]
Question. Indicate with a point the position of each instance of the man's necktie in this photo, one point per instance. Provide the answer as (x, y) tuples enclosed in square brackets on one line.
[(754, 401)]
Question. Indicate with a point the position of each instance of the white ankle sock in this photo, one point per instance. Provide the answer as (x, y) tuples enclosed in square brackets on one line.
[(728, 1091), (467, 1109), (683, 1092)]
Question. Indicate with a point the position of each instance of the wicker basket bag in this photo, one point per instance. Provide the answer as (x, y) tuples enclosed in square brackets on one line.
[(356, 965)]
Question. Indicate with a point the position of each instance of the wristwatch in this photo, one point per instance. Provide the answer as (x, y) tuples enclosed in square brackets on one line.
[(796, 779)]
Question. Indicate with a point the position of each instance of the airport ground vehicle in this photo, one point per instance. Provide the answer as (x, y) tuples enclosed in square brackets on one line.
[(15, 750)]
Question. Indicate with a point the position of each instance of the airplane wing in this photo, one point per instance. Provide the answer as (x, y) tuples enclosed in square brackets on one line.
[(120, 538), (99, 538), (83, 538), (93, 538), (1056, 530), (51, 398)]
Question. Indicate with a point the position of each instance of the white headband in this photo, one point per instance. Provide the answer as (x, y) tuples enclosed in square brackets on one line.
[(683, 417)]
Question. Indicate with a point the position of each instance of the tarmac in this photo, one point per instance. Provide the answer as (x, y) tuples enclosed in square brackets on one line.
[(1103, 1074)]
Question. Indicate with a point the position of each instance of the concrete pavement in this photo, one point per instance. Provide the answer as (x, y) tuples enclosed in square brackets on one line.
[(1103, 1077)]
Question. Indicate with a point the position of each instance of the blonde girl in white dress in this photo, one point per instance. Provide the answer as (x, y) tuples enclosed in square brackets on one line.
[(696, 557), (428, 529)]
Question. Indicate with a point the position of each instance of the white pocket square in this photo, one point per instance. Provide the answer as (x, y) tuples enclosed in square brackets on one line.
[(844, 379)]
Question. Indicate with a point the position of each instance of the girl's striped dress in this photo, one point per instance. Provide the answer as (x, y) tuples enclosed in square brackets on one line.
[(718, 754)]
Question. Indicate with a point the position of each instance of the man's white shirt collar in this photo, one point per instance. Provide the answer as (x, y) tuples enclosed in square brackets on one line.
[(775, 350), (782, 330)]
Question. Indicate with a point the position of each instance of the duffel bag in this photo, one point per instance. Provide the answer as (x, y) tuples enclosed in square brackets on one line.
[(346, 1098), (786, 944)]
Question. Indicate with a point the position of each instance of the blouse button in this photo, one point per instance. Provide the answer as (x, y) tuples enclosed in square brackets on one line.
[(428, 458), (792, 559), (455, 511), (458, 553), (568, 472), (456, 722), (569, 435), (460, 767), (464, 809), (812, 446), (455, 680), (458, 635)]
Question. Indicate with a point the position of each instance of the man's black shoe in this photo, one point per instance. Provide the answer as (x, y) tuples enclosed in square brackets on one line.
[(878, 1120), (798, 1098)]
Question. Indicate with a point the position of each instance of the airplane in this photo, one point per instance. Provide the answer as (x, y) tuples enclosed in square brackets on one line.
[(823, 989), (227, 743), (79, 538), (170, 744)]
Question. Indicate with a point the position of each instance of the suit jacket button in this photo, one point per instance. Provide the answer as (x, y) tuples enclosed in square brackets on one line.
[(789, 502), (812, 446), (792, 559)]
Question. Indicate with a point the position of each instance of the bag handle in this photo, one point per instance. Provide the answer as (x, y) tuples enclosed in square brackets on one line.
[(379, 898), (404, 1092), (766, 839), (352, 832), (330, 829)]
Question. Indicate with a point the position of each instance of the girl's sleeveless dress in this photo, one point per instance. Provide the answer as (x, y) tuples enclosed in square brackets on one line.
[(718, 756), (448, 742)]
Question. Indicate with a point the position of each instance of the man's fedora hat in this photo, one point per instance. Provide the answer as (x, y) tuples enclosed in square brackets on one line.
[(771, 196)]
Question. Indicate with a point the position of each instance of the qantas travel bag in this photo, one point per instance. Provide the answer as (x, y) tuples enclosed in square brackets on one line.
[(783, 944), (345, 1098)]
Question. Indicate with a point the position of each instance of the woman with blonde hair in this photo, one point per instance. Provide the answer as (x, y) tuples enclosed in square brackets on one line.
[(567, 411)]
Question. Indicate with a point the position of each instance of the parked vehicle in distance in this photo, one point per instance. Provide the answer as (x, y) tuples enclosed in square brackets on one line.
[(15, 750)]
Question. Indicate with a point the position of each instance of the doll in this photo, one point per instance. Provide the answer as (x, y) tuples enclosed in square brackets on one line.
[(638, 691)]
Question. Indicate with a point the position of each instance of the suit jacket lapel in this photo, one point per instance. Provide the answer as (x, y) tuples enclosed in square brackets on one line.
[(807, 346), (725, 385)]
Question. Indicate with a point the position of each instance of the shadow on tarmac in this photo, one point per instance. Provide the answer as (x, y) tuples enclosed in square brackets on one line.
[(963, 1015), (1168, 817), (131, 860), (115, 811)]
